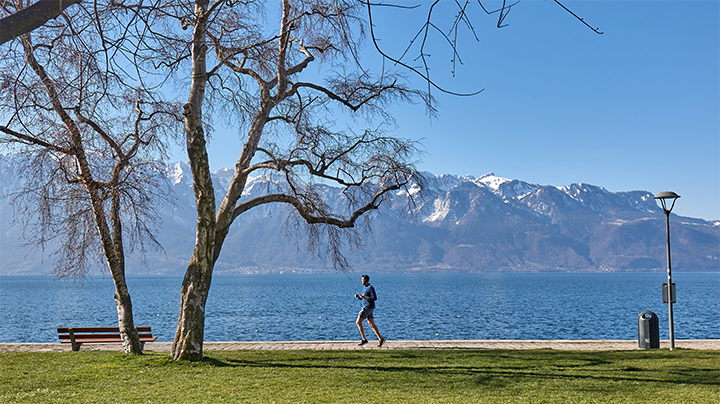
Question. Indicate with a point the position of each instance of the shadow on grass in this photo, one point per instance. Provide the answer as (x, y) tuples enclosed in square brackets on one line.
[(500, 368)]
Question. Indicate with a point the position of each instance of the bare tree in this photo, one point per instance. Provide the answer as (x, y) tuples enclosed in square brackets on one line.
[(20, 20), (259, 75), (281, 76), (93, 148)]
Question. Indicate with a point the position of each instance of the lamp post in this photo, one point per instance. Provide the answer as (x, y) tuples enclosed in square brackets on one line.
[(664, 198)]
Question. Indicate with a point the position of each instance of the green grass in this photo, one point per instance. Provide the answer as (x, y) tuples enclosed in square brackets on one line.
[(377, 376)]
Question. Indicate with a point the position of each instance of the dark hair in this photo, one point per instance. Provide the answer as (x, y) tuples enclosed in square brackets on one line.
[(366, 277)]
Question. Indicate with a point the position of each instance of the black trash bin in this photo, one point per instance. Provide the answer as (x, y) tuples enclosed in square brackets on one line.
[(648, 330)]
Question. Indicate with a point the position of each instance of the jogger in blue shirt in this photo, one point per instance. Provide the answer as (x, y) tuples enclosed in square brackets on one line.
[(368, 297)]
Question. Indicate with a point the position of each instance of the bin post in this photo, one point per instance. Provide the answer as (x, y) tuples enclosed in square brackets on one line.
[(648, 330)]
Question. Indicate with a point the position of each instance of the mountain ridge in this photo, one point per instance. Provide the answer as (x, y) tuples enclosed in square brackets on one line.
[(462, 223)]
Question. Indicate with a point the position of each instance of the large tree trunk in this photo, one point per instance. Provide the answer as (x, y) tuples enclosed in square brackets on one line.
[(212, 227), (188, 344)]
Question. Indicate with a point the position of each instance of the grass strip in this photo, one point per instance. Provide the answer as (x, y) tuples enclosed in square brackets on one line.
[(376, 376)]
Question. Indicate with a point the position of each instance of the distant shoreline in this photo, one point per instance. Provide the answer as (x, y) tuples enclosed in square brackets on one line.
[(364, 270)]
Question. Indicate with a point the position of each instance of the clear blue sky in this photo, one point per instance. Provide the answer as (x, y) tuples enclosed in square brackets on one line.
[(637, 108)]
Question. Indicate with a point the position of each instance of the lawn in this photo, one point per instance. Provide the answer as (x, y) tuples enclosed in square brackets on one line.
[(376, 376)]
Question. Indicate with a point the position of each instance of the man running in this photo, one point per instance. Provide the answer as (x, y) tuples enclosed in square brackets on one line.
[(368, 297)]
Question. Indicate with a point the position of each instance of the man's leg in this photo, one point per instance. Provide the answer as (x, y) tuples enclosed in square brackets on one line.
[(360, 327), (374, 328)]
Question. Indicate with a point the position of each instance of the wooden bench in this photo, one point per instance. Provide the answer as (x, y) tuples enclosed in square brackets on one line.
[(99, 335)]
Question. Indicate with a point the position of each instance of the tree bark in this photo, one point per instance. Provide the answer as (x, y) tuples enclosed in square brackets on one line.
[(128, 332), (188, 343), (123, 303)]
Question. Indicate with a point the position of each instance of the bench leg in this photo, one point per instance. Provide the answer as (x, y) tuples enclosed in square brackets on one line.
[(75, 345)]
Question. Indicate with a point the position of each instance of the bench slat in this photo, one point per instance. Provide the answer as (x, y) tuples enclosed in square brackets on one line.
[(103, 340), (79, 337), (64, 330)]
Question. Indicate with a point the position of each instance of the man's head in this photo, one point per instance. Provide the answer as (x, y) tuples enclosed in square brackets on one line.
[(365, 280)]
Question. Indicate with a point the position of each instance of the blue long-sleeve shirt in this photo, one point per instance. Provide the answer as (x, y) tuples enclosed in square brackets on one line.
[(369, 291)]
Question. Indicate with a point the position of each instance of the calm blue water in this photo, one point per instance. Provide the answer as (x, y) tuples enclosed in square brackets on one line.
[(409, 306)]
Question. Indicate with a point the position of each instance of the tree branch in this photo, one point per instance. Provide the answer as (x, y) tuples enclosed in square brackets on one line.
[(32, 17), (110, 141), (344, 101), (596, 30), (307, 211), (412, 69), (33, 140)]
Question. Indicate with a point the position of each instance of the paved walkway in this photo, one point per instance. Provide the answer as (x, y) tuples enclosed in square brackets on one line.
[(584, 345)]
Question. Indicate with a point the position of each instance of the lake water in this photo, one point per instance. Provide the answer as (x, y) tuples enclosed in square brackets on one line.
[(410, 306)]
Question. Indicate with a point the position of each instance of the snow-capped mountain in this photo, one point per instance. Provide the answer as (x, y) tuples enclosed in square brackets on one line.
[(459, 223)]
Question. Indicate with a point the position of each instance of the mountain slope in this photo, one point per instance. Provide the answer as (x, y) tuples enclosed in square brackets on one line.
[(462, 223)]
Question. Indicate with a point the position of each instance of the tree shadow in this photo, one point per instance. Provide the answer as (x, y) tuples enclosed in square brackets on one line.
[(542, 364)]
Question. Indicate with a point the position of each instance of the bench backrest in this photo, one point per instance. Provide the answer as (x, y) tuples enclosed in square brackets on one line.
[(65, 330)]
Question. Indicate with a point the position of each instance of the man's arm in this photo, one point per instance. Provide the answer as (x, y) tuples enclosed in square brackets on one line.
[(371, 294)]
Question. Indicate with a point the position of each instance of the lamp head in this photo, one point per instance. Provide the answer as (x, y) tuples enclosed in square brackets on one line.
[(667, 196)]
